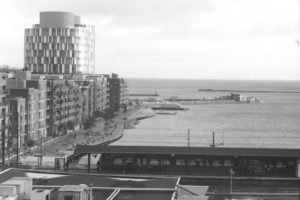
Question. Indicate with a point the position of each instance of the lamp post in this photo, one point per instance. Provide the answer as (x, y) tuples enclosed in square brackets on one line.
[(188, 138), (231, 174)]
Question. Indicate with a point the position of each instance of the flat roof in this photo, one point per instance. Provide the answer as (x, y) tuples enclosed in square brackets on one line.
[(197, 138), (169, 150), (97, 180), (129, 187), (73, 188)]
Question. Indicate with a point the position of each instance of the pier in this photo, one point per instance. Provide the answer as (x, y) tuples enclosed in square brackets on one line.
[(251, 91), (144, 94)]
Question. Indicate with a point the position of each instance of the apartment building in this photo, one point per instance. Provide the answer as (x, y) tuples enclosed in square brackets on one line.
[(35, 94), (123, 94), (114, 92), (87, 95), (4, 115), (61, 106), (17, 122), (60, 44), (100, 93)]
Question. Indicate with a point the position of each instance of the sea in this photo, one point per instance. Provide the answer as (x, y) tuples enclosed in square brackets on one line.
[(274, 122)]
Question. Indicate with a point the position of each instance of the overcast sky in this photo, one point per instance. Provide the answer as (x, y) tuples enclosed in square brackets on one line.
[(202, 39)]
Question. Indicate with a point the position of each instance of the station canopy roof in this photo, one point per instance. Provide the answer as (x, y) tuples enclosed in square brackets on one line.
[(135, 141), (169, 150)]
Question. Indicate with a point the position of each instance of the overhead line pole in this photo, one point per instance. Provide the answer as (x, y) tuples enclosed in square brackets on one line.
[(188, 137)]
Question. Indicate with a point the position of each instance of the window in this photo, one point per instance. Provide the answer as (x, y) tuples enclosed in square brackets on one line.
[(69, 197), (128, 160), (228, 163), (192, 163), (217, 163), (206, 163), (180, 162), (279, 164), (154, 162), (165, 162), (117, 161)]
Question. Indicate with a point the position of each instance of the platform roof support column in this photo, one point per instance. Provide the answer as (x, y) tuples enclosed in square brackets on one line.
[(89, 162)]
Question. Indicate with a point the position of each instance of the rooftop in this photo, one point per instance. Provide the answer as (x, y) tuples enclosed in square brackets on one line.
[(73, 188), (97, 180), (188, 150), (105, 186), (153, 136)]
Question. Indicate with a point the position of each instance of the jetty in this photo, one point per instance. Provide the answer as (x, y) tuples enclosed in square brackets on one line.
[(250, 91), (145, 94), (232, 98)]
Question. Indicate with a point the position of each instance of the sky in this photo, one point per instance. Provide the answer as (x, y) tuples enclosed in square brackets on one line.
[(186, 39)]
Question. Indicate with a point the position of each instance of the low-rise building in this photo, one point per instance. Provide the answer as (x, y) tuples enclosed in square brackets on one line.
[(41, 185)]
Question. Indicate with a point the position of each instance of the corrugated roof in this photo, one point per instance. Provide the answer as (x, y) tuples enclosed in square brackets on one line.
[(222, 151)]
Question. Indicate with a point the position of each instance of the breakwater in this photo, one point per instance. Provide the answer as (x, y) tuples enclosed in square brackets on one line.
[(250, 91), (145, 94)]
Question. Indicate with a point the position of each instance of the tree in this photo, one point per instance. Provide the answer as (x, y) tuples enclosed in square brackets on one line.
[(109, 113), (71, 124), (89, 123), (30, 143)]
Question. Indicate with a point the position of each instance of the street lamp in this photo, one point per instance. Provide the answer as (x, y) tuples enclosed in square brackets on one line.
[(231, 174)]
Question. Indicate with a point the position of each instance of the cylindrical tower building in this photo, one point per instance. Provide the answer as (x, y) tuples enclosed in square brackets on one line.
[(60, 44)]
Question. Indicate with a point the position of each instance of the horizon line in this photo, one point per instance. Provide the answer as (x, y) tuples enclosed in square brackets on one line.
[(212, 79)]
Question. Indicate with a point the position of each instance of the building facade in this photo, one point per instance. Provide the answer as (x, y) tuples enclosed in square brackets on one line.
[(123, 94), (35, 93), (61, 106), (4, 115), (87, 92), (114, 92), (17, 122), (60, 44), (100, 93)]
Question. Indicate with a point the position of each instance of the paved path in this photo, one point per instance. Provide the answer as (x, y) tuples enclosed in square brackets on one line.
[(102, 132)]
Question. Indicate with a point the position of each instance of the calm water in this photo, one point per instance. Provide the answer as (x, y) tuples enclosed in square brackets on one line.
[(274, 122)]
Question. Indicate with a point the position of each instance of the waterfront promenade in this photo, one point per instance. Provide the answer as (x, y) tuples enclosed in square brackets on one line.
[(102, 132)]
